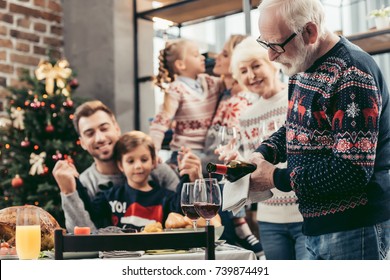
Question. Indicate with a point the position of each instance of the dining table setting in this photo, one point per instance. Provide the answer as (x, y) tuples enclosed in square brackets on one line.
[(199, 231)]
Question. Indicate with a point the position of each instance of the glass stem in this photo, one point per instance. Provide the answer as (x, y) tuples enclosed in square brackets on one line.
[(194, 225)]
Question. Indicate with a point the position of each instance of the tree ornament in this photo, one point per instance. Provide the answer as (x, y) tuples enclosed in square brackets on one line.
[(25, 143), (49, 128), (36, 103), (37, 163), (17, 116), (68, 103), (17, 182), (53, 74), (45, 170), (57, 156), (74, 83)]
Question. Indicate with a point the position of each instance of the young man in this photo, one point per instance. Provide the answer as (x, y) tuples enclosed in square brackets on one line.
[(337, 136), (99, 131)]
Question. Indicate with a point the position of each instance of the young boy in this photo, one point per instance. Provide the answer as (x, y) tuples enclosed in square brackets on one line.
[(139, 201)]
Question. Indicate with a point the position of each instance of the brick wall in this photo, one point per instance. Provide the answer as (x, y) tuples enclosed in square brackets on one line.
[(29, 29)]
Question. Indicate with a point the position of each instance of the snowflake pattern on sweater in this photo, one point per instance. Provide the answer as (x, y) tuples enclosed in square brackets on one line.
[(331, 142), (191, 111)]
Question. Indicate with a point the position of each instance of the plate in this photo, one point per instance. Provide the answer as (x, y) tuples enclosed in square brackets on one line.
[(166, 252)]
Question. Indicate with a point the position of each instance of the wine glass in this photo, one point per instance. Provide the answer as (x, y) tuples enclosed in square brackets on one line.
[(266, 129), (187, 203), (207, 199), (228, 142)]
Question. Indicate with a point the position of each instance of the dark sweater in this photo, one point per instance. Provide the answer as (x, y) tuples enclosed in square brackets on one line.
[(338, 142), (125, 206)]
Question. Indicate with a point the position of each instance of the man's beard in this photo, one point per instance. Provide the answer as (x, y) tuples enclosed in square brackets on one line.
[(103, 158), (300, 61)]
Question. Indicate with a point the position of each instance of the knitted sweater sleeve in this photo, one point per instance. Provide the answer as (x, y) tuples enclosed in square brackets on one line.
[(75, 212), (274, 148), (354, 109), (164, 117)]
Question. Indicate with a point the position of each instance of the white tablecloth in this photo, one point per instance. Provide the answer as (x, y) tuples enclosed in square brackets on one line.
[(222, 252)]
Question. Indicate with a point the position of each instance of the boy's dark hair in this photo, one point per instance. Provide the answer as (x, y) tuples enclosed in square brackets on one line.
[(131, 140), (87, 109)]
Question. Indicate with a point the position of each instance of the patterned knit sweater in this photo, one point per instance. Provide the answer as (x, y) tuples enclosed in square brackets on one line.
[(191, 111), (338, 142), (259, 122)]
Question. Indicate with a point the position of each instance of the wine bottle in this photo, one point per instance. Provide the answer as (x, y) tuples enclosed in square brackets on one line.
[(233, 171)]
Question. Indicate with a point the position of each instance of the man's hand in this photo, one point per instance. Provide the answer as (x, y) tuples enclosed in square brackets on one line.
[(263, 177), (189, 163), (64, 173)]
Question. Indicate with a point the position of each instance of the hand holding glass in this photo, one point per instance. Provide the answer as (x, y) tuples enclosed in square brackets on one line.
[(28, 233)]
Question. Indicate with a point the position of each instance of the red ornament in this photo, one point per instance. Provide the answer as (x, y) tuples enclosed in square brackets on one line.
[(74, 83), (25, 143), (49, 128), (68, 103), (57, 156), (17, 182), (45, 170)]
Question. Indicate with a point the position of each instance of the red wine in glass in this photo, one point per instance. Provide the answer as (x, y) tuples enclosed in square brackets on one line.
[(207, 210), (207, 198), (189, 211)]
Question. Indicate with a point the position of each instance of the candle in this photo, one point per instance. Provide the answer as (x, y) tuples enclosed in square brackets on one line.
[(82, 230)]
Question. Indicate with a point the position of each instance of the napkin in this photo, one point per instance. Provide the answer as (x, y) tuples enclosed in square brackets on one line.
[(236, 195), (120, 254)]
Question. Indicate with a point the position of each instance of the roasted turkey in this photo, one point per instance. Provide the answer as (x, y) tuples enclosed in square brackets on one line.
[(8, 225)]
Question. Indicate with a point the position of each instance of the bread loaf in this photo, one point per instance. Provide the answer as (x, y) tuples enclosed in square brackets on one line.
[(8, 226), (216, 221), (176, 220)]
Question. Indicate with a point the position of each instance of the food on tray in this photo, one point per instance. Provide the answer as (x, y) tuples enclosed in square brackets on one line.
[(216, 221), (176, 220), (153, 227), (8, 226), (82, 230)]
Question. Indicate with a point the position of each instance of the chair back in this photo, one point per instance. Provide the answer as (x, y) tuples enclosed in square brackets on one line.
[(135, 241)]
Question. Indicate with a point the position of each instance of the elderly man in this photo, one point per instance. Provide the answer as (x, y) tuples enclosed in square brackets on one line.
[(336, 139)]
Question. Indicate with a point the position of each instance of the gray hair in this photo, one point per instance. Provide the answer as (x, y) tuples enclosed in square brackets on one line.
[(296, 13)]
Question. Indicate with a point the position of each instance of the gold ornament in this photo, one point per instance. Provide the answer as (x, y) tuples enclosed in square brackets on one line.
[(57, 73)]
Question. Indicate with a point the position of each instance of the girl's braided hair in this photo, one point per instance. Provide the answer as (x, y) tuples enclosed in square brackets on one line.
[(174, 50)]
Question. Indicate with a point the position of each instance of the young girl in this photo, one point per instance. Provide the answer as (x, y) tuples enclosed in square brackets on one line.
[(190, 97), (139, 201)]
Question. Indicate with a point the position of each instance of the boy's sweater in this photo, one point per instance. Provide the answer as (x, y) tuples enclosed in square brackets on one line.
[(125, 206)]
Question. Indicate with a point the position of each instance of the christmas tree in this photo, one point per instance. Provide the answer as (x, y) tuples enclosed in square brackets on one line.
[(40, 133)]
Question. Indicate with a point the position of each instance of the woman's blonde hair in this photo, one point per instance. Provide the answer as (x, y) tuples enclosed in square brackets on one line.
[(131, 140), (233, 41), (245, 51)]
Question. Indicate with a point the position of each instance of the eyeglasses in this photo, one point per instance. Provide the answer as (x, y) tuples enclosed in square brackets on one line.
[(279, 48)]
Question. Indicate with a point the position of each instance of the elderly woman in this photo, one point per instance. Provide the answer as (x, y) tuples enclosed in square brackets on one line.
[(278, 217)]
